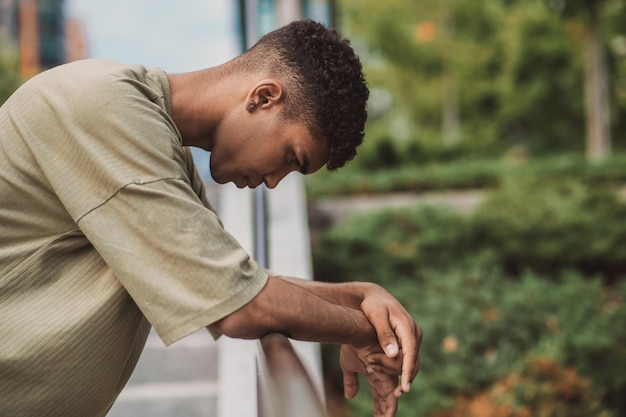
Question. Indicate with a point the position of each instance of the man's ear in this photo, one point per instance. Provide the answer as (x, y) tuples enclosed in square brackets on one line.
[(265, 94)]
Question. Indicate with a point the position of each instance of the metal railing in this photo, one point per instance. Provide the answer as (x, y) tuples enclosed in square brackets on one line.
[(275, 376), (285, 388)]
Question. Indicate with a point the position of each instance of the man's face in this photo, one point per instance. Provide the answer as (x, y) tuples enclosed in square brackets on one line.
[(263, 148)]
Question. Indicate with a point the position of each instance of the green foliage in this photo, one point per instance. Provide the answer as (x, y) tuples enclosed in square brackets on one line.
[(543, 387), (521, 302), (616, 16), (10, 78), (545, 224), (481, 327), (462, 173), (470, 174), (550, 225), (541, 93), (514, 70)]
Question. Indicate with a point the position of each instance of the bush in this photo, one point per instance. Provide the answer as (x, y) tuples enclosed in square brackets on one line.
[(464, 174), (545, 225), (481, 329), (407, 178), (542, 388), (550, 224), (391, 245), (534, 273)]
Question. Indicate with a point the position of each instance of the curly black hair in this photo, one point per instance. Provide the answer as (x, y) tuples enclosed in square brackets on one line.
[(324, 83)]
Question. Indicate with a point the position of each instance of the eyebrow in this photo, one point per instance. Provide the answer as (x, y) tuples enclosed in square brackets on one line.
[(304, 168)]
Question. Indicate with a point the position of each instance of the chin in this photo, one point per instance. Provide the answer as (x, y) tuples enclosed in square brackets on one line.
[(218, 179)]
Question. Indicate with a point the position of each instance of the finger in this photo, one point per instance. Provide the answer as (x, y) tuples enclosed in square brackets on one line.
[(384, 332), (372, 369), (398, 391), (392, 406), (392, 366), (383, 393), (410, 337), (350, 384)]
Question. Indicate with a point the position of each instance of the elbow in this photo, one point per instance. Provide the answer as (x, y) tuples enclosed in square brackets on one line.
[(263, 315), (235, 328), (249, 322)]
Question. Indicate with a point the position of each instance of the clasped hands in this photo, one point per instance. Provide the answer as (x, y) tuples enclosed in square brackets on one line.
[(395, 355)]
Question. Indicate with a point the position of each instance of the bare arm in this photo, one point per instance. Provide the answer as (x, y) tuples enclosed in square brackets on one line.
[(283, 307), (395, 328), (349, 294)]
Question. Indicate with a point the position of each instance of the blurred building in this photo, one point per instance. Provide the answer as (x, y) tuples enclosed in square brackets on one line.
[(39, 31), (261, 16)]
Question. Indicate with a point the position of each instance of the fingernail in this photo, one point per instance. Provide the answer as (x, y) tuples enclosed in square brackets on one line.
[(369, 370), (391, 349)]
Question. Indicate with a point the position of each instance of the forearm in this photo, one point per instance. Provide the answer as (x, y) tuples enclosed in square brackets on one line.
[(290, 309), (394, 326), (348, 294)]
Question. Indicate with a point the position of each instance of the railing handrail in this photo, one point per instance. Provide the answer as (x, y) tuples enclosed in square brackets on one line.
[(258, 371), (285, 387)]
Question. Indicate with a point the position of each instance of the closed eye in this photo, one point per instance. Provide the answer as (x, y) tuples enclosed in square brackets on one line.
[(302, 163), (295, 160)]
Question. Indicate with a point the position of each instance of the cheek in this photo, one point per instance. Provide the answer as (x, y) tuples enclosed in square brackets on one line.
[(227, 163), (216, 170)]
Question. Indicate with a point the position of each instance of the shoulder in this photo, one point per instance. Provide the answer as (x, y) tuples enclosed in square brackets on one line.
[(91, 79), (81, 85), (107, 79)]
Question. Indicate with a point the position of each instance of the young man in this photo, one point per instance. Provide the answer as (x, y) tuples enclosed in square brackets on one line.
[(106, 229)]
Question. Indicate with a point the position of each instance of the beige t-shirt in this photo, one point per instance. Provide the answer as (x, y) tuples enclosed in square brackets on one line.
[(104, 223)]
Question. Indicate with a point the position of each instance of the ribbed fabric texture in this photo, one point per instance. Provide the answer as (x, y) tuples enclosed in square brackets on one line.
[(103, 224)]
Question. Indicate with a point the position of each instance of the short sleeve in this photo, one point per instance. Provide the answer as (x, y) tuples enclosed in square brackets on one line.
[(172, 255)]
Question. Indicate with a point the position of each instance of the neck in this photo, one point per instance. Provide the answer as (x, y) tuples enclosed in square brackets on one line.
[(200, 99)]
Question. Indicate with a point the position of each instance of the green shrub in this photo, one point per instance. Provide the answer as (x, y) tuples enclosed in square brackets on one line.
[(545, 225), (407, 178), (542, 387), (535, 271), (463, 174), (388, 246), (552, 224), (479, 328)]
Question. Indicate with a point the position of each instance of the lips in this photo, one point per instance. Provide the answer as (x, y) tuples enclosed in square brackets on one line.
[(241, 184), (255, 184), (245, 182)]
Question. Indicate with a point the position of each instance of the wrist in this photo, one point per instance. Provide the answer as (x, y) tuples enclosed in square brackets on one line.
[(368, 290)]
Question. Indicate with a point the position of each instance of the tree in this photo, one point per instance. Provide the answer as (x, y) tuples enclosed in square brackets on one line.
[(590, 13), (421, 52), (490, 74)]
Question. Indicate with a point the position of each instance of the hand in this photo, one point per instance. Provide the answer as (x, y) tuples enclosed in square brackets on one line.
[(396, 330), (381, 373)]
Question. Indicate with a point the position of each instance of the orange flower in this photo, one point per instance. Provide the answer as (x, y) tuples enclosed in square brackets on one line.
[(450, 344)]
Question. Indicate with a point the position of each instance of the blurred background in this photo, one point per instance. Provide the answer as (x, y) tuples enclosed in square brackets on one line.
[(488, 195)]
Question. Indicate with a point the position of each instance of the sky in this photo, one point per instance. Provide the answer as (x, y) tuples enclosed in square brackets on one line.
[(178, 36)]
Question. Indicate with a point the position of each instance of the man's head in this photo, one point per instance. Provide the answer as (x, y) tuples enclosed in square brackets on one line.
[(324, 87)]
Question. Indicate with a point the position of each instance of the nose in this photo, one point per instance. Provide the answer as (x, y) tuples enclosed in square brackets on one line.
[(272, 180)]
